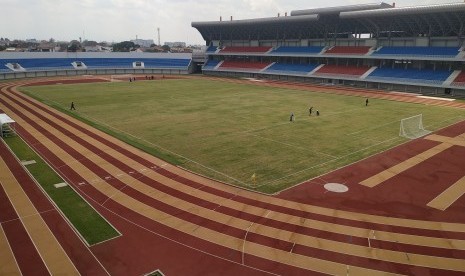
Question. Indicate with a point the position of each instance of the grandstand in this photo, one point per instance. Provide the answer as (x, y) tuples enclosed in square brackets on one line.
[(416, 49), (20, 65)]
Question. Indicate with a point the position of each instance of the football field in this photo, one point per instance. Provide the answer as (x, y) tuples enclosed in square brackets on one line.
[(231, 131)]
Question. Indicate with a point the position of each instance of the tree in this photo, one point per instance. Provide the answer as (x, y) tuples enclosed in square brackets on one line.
[(166, 48), (74, 46), (125, 46)]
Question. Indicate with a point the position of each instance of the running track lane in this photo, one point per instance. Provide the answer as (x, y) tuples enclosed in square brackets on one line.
[(238, 233), (228, 211), (78, 252), (24, 251), (250, 201)]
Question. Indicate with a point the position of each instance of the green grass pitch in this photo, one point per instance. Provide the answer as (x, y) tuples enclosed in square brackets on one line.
[(230, 131)]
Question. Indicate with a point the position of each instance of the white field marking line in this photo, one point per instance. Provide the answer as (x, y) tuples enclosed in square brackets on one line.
[(288, 188), (28, 216), (25, 228), (245, 238), (153, 144), (87, 245), (172, 240), (131, 179), (372, 128), (332, 160), (439, 123), (197, 189), (11, 249), (65, 178), (73, 228), (109, 197), (263, 128), (290, 145), (267, 214), (342, 112), (224, 201), (292, 249)]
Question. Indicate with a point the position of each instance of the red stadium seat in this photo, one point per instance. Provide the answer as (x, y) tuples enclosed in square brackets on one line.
[(460, 78), (231, 49)]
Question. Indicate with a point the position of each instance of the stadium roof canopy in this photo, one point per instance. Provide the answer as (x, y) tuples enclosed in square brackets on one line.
[(380, 20)]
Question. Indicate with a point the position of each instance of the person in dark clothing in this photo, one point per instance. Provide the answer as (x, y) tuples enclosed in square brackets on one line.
[(310, 111), (291, 119), (72, 106), (366, 102), (317, 113)]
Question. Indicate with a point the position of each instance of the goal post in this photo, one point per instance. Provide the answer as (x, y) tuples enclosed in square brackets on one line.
[(412, 127)]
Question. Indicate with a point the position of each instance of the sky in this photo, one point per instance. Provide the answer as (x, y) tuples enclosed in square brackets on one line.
[(119, 20)]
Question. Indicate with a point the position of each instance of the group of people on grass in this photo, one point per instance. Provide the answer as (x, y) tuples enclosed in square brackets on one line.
[(310, 112)]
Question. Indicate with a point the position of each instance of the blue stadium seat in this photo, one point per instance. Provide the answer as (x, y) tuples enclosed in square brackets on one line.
[(211, 64), (410, 75), (418, 51), (38, 64), (301, 69), (211, 49), (297, 50)]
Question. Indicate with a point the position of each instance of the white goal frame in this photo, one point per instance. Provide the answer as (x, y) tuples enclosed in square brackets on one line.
[(412, 127)]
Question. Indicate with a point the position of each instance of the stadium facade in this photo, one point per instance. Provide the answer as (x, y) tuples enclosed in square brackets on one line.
[(414, 49)]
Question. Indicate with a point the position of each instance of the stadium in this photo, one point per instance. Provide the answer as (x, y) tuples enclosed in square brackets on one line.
[(326, 141)]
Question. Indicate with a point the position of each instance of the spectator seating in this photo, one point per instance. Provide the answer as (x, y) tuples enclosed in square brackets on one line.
[(40, 64), (211, 64), (127, 62), (410, 75), (257, 50), (460, 79), (349, 50), (285, 68), (297, 50), (242, 65), (418, 51), (163, 62), (342, 70)]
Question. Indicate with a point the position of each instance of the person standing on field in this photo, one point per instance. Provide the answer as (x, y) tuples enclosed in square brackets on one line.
[(291, 119), (310, 111), (366, 102), (72, 106)]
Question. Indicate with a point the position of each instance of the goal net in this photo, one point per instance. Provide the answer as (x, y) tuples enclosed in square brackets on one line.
[(412, 127)]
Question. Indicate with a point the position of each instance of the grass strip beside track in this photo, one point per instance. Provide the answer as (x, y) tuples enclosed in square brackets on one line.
[(92, 227)]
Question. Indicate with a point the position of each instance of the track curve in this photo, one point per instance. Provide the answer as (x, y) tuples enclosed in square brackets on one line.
[(182, 223)]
